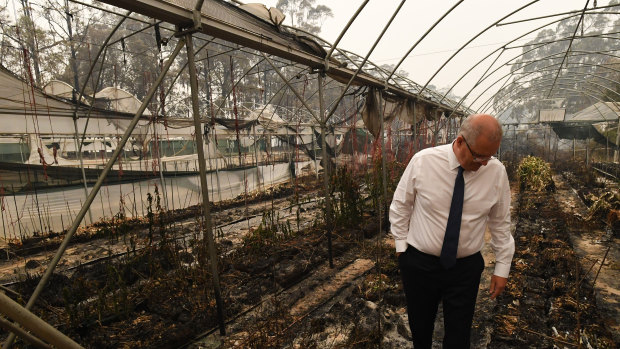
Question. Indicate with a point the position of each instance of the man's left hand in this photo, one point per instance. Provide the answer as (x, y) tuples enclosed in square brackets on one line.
[(498, 284)]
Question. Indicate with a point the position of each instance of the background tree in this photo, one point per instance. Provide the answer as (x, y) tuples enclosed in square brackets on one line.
[(304, 14)]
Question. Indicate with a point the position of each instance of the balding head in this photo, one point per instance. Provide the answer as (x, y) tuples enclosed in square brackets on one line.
[(477, 125)]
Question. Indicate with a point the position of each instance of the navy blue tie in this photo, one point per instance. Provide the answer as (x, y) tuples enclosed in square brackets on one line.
[(453, 228)]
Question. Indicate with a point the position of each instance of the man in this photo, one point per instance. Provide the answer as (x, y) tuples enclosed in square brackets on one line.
[(438, 235)]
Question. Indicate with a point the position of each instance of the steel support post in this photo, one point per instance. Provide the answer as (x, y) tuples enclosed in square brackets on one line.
[(383, 163), (161, 164), (256, 162), (206, 206), (415, 129), (23, 334), (617, 142), (79, 155), (326, 173), (34, 324), (316, 166), (96, 187)]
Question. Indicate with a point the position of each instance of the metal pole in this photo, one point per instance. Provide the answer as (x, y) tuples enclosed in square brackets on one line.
[(256, 157), (161, 164), (344, 30), (607, 148), (383, 164), (326, 174), (316, 166), (514, 144), (361, 66), (617, 142), (383, 216), (96, 187), (573, 147), (191, 64), (34, 324), (415, 129), (79, 155), (25, 335), (76, 85)]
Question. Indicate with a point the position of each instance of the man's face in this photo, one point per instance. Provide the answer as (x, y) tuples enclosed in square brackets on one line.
[(479, 153)]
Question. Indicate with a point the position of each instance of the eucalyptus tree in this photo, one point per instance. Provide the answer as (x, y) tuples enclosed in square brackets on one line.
[(304, 14)]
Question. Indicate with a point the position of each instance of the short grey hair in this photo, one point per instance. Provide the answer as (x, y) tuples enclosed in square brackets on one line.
[(471, 130)]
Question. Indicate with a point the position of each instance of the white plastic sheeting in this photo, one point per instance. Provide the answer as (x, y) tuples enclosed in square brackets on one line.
[(599, 112), (61, 206)]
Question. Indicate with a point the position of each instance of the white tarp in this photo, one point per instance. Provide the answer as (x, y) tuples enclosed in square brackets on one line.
[(599, 112), (39, 153), (119, 100), (552, 115)]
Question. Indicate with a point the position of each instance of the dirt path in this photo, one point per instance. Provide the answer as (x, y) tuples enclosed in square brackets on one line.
[(592, 245)]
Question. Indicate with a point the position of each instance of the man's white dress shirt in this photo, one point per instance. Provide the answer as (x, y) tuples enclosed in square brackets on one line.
[(421, 205)]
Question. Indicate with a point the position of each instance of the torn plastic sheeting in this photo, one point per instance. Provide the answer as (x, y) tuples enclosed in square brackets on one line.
[(393, 107), (271, 15)]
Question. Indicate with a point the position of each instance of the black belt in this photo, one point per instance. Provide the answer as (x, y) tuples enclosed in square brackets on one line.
[(430, 256)]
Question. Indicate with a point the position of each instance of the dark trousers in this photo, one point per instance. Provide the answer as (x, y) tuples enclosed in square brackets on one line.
[(426, 283)]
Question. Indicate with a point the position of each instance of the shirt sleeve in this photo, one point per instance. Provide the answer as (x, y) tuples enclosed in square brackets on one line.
[(401, 208), (502, 242)]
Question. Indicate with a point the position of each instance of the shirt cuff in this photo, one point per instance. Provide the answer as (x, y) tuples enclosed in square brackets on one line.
[(502, 269), (401, 245)]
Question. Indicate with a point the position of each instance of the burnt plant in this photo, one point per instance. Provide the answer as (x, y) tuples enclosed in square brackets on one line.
[(265, 234), (349, 206), (150, 216), (374, 182)]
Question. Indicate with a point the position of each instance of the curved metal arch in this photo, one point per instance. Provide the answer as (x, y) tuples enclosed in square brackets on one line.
[(581, 92), (475, 37), (422, 38), (555, 64), (577, 64), (504, 47), (570, 44), (564, 77), (593, 36), (484, 105), (579, 53), (483, 77), (543, 83), (431, 96), (344, 30), (538, 87), (510, 73), (590, 11), (331, 112), (503, 65), (427, 95), (507, 75)]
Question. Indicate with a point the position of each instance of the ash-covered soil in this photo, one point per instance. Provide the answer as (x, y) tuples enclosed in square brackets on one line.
[(150, 285)]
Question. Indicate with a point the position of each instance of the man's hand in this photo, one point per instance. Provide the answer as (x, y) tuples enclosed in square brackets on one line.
[(498, 284)]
